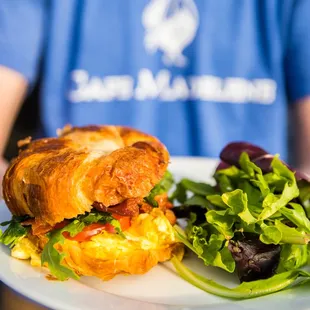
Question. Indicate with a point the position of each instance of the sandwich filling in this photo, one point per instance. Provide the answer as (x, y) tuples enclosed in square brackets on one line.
[(128, 238)]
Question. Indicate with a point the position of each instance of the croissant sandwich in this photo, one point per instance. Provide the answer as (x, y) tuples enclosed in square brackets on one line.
[(92, 201)]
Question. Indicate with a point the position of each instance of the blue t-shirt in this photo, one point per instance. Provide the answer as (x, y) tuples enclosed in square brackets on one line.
[(195, 73)]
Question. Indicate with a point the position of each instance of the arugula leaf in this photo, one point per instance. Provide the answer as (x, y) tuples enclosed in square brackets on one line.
[(14, 232), (245, 290), (100, 217), (95, 217), (54, 258), (162, 187)]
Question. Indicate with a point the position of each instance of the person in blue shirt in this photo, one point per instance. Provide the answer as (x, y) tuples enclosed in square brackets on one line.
[(195, 73)]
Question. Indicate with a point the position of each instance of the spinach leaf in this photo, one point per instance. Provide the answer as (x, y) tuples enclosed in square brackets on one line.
[(197, 200), (198, 188), (179, 194)]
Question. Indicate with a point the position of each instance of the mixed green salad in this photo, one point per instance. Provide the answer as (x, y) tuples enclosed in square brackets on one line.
[(253, 220)]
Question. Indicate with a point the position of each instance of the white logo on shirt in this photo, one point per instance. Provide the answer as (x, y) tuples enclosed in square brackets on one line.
[(163, 86), (170, 26)]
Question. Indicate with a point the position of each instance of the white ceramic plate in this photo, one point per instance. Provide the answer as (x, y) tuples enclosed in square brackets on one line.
[(159, 289)]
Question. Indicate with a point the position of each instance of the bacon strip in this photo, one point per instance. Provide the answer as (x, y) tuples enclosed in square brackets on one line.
[(28, 222), (42, 228), (129, 207)]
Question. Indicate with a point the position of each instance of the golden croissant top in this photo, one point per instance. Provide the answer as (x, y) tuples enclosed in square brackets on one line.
[(57, 178)]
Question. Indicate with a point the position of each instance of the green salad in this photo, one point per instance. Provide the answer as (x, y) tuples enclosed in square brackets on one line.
[(253, 220)]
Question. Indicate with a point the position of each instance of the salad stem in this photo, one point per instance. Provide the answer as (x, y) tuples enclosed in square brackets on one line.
[(243, 291)]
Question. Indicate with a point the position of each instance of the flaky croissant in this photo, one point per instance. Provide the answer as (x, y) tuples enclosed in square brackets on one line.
[(58, 178)]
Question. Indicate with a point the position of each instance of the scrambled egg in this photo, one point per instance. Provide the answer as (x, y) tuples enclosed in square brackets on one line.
[(149, 240), (25, 249)]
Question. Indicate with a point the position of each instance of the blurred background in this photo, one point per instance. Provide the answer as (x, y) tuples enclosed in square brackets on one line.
[(250, 63), (27, 122)]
